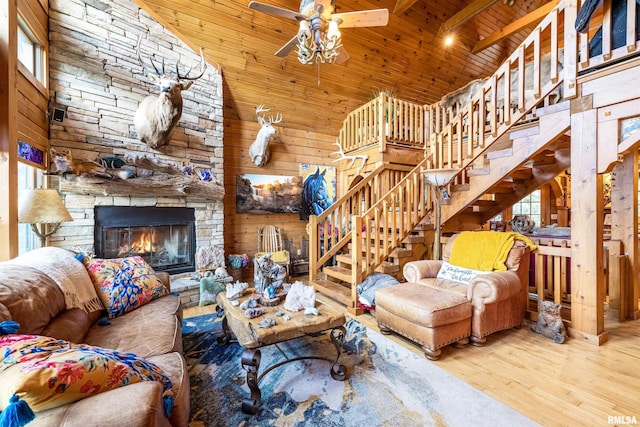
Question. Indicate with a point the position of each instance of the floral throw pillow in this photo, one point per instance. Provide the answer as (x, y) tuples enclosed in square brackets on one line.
[(45, 372), (124, 284)]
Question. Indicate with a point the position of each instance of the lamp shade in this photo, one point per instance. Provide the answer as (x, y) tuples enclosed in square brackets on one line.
[(439, 177), (42, 206)]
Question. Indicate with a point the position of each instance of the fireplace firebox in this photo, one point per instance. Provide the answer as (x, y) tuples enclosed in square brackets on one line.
[(165, 237)]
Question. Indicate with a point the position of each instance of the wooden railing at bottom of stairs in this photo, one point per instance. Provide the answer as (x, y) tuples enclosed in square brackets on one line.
[(550, 277), (392, 228)]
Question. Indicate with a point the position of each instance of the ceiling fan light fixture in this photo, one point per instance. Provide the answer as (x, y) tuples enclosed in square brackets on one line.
[(333, 32), (318, 40)]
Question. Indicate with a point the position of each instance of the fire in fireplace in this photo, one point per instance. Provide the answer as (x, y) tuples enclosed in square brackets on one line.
[(165, 237)]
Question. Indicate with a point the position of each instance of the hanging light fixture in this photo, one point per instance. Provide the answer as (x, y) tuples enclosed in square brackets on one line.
[(319, 38)]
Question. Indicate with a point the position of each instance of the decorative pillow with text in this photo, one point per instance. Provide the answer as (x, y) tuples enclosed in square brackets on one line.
[(458, 274), (124, 284)]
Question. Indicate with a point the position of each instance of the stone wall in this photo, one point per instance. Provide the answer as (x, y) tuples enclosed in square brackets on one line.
[(95, 76)]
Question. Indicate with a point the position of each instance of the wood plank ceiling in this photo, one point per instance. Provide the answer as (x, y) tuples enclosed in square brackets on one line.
[(407, 56)]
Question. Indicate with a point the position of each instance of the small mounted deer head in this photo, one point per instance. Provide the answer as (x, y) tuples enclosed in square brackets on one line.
[(156, 116), (259, 150)]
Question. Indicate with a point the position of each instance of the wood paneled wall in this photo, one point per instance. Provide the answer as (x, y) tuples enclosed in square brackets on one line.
[(289, 148)]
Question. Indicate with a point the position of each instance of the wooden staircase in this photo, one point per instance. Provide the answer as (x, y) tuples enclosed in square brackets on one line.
[(526, 159), (502, 153)]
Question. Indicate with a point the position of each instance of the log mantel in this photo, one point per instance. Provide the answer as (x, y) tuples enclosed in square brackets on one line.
[(159, 184)]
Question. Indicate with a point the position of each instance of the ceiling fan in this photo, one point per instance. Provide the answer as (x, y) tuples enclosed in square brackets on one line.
[(318, 39)]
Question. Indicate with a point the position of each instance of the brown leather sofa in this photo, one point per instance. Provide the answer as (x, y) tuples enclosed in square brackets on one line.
[(498, 299), (152, 331)]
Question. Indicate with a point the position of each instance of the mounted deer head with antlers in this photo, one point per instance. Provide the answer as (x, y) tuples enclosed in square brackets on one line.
[(156, 116), (259, 150)]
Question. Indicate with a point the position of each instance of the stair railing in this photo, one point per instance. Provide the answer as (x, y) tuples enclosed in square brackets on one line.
[(461, 134), (381, 120), (383, 227), (330, 231), (458, 139)]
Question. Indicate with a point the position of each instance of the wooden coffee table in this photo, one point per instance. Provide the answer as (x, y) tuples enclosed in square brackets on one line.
[(251, 337)]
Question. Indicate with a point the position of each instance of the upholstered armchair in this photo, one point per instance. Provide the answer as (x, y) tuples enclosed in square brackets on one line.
[(498, 298)]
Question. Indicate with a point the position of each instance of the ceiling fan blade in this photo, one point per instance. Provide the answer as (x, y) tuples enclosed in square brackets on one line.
[(287, 48), (364, 18), (275, 10), (343, 55)]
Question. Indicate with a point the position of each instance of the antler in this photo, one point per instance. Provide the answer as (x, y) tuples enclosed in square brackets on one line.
[(261, 119), (277, 120), (158, 73), (363, 157), (202, 61), (259, 110)]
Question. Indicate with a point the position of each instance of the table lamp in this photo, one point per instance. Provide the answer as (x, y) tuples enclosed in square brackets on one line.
[(439, 179), (42, 206)]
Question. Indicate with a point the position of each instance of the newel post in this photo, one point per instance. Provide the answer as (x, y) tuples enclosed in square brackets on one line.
[(313, 247)]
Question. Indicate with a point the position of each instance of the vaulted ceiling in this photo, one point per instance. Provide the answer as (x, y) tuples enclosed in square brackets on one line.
[(408, 56)]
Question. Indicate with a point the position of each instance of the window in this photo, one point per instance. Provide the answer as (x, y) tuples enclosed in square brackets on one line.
[(530, 205), (30, 52), (28, 177)]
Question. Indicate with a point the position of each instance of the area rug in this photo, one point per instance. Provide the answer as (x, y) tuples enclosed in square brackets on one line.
[(386, 385)]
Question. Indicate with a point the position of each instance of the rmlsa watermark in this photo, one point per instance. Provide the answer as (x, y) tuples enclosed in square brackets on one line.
[(622, 420)]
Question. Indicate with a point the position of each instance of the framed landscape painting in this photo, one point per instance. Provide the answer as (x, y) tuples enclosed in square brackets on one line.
[(265, 194)]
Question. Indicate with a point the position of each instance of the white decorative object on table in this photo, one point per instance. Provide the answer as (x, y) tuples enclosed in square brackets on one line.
[(221, 275), (235, 290), (300, 297)]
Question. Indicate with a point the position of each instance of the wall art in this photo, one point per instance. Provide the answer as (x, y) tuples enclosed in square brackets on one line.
[(265, 194), (318, 189)]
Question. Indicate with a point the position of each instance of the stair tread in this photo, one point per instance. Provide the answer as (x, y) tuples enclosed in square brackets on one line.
[(333, 290), (338, 272)]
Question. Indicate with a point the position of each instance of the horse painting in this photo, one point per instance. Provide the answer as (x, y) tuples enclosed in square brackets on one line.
[(315, 196)]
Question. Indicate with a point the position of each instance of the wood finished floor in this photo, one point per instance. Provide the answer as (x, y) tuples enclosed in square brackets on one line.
[(570, 384)]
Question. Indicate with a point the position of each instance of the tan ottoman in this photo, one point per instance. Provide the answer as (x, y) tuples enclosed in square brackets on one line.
[(431, 317)]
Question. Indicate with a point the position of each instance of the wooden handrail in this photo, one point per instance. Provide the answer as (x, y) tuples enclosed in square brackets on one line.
[(388, 222), (330, 231)]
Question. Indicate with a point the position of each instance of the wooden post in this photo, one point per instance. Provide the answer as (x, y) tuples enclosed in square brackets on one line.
[(8, 131), (624, 227), (617, 307), (587, 277), (313, 247)]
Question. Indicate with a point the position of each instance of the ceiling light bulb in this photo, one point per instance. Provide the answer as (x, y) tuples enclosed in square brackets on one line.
[(333, 32), (448, 41)]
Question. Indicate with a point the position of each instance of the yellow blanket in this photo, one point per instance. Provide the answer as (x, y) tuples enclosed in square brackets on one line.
[(484, 250)]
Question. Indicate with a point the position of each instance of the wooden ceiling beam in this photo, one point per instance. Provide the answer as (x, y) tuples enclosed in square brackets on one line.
[(402, 6), (517, 25), (464, 15)]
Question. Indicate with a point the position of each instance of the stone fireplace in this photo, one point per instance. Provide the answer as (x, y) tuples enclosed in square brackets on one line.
[(164, 237), (97, 79)]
